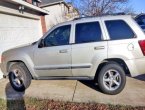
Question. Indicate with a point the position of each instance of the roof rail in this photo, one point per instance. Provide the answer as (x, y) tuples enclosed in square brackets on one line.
[(122, 13)]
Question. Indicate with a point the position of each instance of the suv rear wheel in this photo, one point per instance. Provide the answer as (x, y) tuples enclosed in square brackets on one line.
[(112, 79), (19, 77)]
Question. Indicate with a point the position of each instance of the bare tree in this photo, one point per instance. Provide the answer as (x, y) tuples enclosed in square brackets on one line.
[(99, 7)]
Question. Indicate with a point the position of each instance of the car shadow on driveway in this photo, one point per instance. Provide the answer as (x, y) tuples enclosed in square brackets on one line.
[(15, 100), (90, 84), (140, 77)]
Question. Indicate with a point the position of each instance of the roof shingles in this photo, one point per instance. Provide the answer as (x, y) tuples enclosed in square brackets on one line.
[(47, 2)]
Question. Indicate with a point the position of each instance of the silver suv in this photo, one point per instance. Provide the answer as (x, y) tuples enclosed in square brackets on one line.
[(103, 49)]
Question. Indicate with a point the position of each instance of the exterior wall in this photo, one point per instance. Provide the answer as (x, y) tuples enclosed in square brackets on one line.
[(56, 14)]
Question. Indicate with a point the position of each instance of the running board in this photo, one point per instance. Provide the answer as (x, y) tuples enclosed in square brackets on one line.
[(64, 78)]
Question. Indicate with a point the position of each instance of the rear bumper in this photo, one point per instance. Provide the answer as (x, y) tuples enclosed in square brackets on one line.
[(136, 66)]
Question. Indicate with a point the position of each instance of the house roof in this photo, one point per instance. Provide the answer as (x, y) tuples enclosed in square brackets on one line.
[(46, 2), (50, 2)]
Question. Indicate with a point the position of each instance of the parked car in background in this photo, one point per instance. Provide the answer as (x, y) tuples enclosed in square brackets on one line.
[(103, 49), (141, 21)]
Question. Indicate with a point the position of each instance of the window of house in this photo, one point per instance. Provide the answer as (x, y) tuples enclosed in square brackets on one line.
[(118, 29), (34, 2), (60, 36), (88, 32)]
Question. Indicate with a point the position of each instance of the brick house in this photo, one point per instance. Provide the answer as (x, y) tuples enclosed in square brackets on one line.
[(21, 22)]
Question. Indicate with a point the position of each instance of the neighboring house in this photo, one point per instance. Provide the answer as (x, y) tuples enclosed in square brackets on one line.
[(59, 11), (21, 22), (72, 13)]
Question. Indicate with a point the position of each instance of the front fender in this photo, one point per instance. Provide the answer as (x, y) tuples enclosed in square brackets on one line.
[(20, 57)]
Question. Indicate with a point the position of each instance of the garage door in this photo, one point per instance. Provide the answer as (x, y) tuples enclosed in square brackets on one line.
[(17, 31)]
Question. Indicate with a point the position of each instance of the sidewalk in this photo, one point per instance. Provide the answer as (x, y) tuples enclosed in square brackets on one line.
[(72, 90)]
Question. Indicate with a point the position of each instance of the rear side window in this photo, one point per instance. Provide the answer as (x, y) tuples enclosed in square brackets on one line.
[(88, 32), (118, 29)]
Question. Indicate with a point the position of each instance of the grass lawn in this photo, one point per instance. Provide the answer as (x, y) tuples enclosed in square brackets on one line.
[(39, 104)]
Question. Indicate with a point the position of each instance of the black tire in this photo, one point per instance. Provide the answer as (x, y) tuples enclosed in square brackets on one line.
[(24, 76), (103, 73)]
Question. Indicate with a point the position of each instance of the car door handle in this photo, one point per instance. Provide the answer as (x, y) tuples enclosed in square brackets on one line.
[(99, 48), (63, 51)]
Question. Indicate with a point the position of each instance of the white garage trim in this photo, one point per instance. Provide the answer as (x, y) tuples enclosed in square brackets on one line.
[(29, 6), (9, 10)]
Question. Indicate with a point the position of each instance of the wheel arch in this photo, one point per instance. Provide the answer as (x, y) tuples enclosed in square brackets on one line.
[(17, 61), (120, 61)]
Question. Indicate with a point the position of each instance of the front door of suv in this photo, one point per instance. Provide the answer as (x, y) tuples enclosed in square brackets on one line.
[(54, 59), (89, 48)]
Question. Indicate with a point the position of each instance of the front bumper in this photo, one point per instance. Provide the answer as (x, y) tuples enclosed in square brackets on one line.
[(3, 69), (4, 76)]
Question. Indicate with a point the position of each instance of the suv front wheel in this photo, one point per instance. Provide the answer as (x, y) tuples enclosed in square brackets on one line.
[(111, 78), (19, 77)]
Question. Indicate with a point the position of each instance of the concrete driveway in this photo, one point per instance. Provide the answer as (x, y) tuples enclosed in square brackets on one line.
[(78, 91)]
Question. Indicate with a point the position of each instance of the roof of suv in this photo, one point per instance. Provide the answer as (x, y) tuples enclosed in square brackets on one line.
[(113, 17)]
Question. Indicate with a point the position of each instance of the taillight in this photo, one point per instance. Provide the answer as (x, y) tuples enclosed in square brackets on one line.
[(142, 46)]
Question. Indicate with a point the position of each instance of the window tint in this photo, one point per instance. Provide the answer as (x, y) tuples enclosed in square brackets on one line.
[(60, 36), (141, 20), (88, 32), (143, 27), (119, 30)]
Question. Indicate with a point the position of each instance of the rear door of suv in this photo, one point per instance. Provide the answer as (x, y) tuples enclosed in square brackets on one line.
[(122, 37), (89, 47)]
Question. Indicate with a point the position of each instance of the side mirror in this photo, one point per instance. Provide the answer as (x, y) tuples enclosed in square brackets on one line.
[(41, 44)]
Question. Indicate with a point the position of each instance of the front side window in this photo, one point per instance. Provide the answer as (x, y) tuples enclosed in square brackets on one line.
[(88, 32), (59, 36), (118, 29)]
